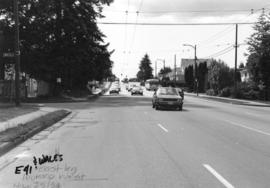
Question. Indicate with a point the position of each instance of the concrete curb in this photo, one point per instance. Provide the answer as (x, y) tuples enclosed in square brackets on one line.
[(23, 119), (25, 130), (229, 100)]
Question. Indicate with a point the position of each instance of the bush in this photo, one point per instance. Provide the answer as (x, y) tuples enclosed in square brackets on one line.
[(225, 92), (211, 92), (252, 94), (247, 90)]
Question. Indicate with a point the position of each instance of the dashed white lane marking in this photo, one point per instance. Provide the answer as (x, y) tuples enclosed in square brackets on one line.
[(163, 128), (218, 176), (249, 128), (252, 114)]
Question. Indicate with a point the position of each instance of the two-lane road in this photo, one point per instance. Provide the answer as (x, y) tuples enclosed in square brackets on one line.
[(120, 141)]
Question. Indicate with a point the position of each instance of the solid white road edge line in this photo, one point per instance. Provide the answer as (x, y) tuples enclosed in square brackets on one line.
[(163, 128), (218, 176), (249, 128)]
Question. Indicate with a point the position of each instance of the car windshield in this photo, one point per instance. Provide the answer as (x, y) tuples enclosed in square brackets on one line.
[(167, 91)]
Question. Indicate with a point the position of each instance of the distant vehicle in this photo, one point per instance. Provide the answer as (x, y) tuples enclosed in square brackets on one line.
[(114, 89), (133, 84), (181, 92), (137, 90), (151, 84), (116, 85), (167, 97)]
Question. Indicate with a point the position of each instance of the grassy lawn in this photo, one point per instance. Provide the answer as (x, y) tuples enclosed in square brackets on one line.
[(9, 111)]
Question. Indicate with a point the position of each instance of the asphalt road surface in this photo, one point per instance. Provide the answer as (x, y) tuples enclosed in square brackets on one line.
[(119, 141)]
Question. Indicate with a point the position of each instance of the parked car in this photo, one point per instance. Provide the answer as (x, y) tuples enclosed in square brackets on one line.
[(167, 97), (137, 90)]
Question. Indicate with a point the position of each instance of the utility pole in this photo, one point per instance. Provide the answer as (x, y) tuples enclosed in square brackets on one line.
[(175, 69), (196, 83), (164, 64), (195, 64), (17, 54), (156, 68), (235, 66)]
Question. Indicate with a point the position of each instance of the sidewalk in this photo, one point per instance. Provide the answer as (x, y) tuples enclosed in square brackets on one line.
[(231, 100), (16, 130)]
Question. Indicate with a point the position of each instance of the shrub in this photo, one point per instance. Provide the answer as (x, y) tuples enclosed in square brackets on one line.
[(211, 92), (225, 92)]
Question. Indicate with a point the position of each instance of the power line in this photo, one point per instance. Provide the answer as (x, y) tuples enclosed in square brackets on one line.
[(219, 53), (174, 24), (125, 32), (135, 29), (217, 35), (183, 11)]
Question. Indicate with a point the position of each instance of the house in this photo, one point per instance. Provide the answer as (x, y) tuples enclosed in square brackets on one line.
[(245, 74), (177, 75)]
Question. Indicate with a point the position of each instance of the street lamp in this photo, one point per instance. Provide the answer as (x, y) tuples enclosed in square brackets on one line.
[(163, 60), (195, 65)]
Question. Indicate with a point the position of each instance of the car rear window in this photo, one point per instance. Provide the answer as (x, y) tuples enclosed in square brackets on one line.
[(167, 91)]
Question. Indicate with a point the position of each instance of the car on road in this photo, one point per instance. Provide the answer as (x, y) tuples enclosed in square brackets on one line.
[(114, 89), (133, 84), (137, 90), (167, 97), (181, 92), (116, 85)]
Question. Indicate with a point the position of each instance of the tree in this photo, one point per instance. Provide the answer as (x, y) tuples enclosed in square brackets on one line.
[(145, 70), (189, 77), (219, 75), (202, 72), (165, 70), (241, 66), (258, 61), (60, 38)]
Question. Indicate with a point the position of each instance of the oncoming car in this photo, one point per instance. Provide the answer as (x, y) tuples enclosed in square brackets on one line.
[(137, 90), (167, 97)]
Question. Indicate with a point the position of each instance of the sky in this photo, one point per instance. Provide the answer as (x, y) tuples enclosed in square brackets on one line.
[(165, 42)]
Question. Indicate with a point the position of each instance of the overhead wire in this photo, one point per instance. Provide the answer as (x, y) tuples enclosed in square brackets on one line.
[(219, 53), (183, 11), (125, 35)]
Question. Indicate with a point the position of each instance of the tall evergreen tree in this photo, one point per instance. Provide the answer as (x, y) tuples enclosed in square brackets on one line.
[(145, 70), (189, 77), (202, 71), (259, 52)]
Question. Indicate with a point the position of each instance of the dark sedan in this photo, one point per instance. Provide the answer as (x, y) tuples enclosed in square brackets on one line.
[(167, 97)]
